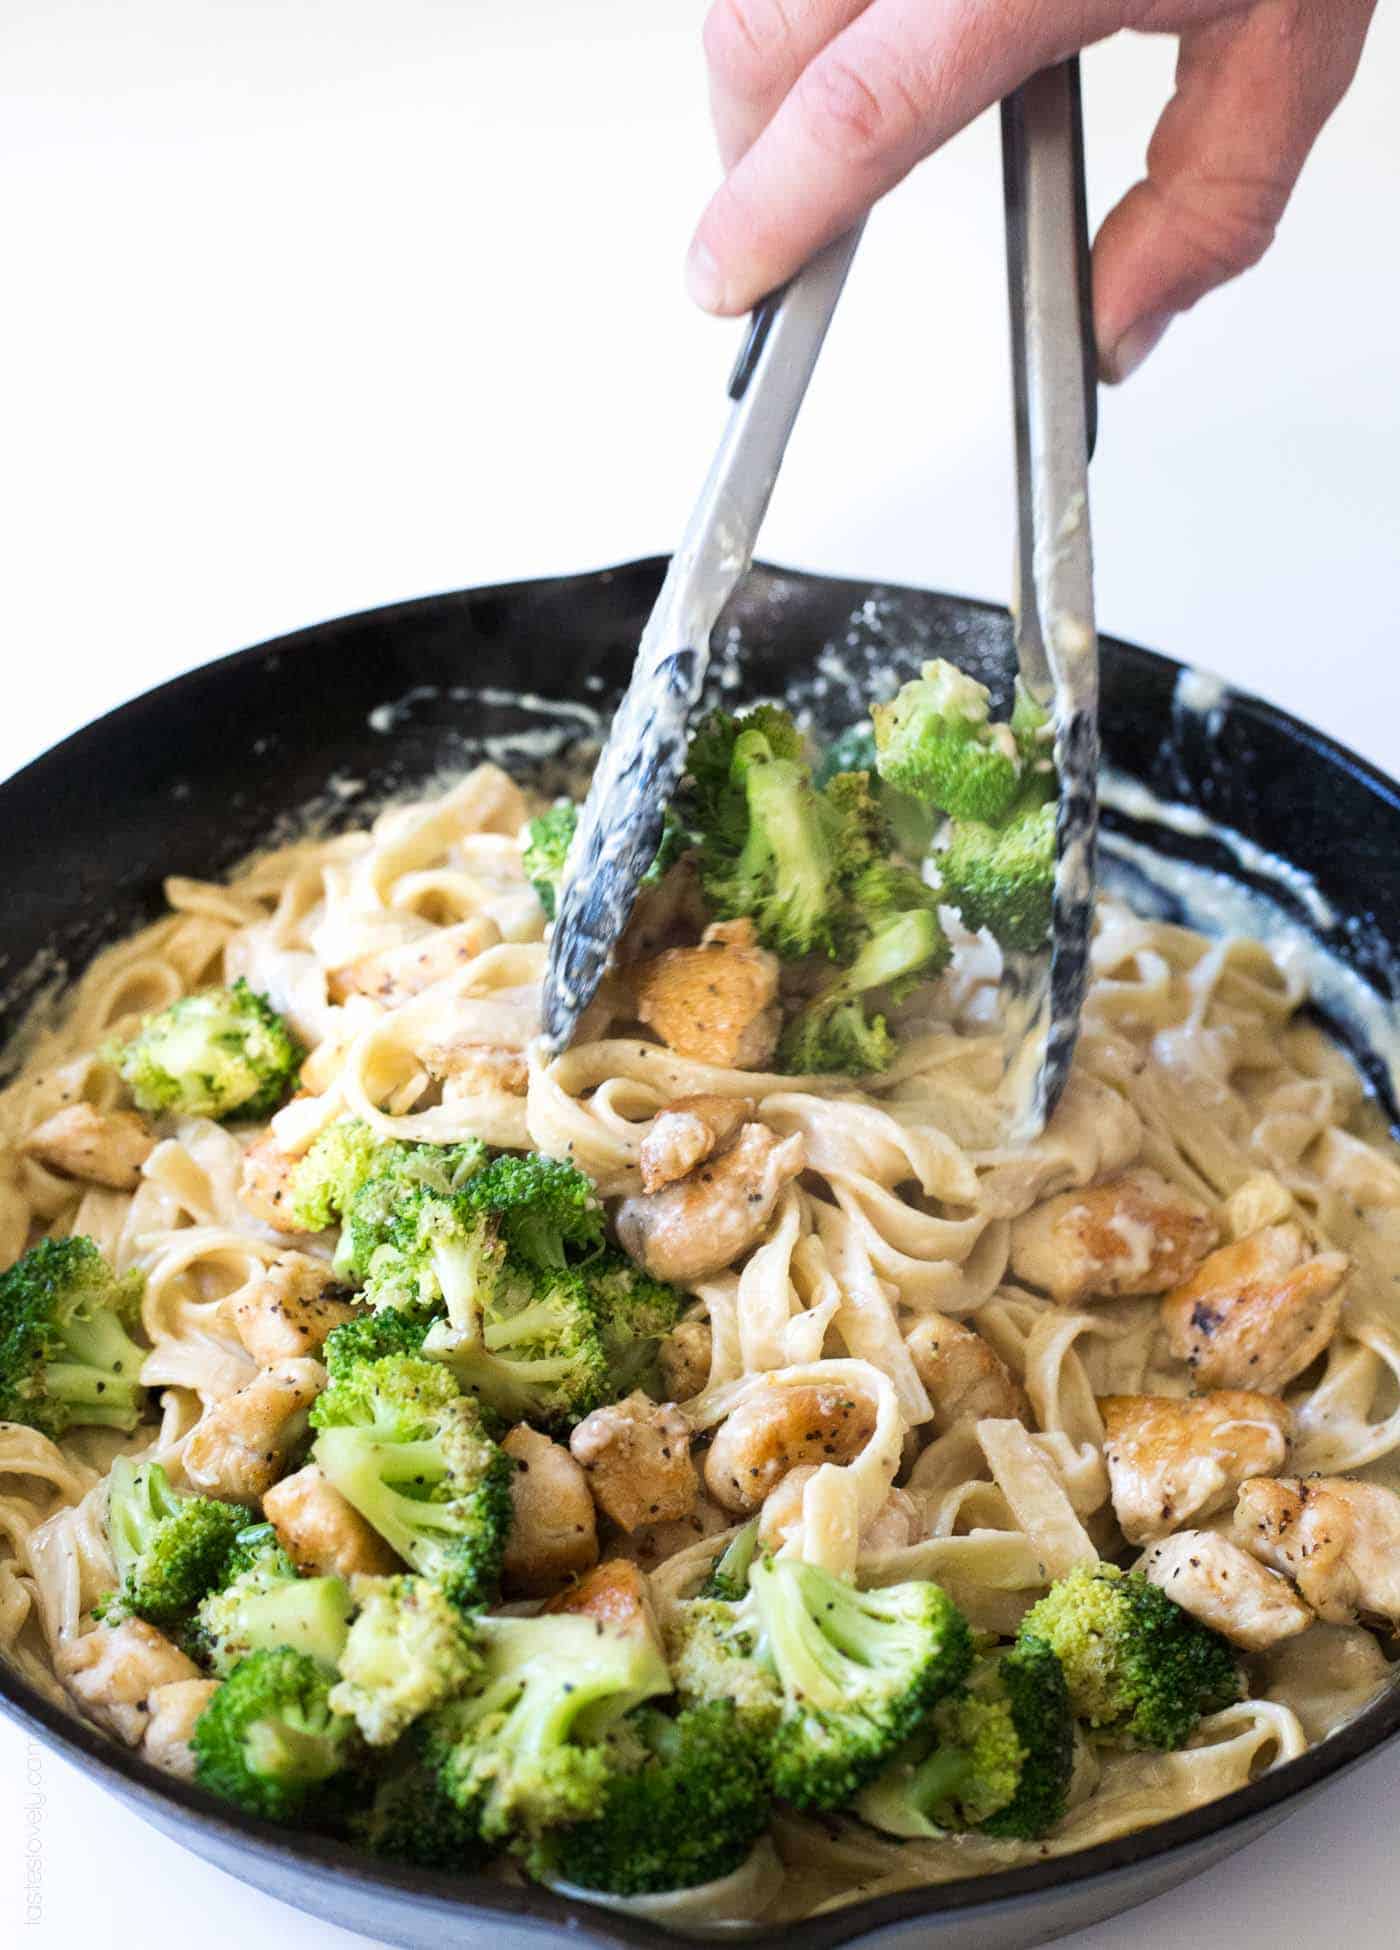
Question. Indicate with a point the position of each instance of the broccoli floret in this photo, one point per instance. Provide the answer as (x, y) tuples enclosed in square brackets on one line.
[(858, 825), (536, 1353), (268, 1740), (690, 1812), (400, 1441), (528, 1749), (832, 1032), (834, 1679), (438, 1253), (411, 1819), (634, 1314), (911, 822), (859, 1670), (220, 1053), (997, 1756), (264, 1602), (1003, 877), (324, 1182), (714, 1645), (409, 1650), (714, 798), (549, 1212), (550, 835), (372, 1336), (1140, 1670), (169, 1548), (765, 833), (935, 739), (729, 1574), (548, 838), (400, 1172), (66, 1356)]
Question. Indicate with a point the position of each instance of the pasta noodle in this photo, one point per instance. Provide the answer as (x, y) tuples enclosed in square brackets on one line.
[(409, 960)]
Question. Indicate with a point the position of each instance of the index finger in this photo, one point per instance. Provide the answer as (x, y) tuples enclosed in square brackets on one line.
[(889, 89), (755, 50)]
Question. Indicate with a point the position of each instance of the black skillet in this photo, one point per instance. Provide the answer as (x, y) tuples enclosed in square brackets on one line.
[(193, 776)]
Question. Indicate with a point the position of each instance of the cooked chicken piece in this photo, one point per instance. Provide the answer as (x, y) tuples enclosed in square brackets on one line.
[(241, 1445), (1133, 1233), (1257, 1312), (776, 1428), (636, 1454), (897, 1522), (653, 1542), (467, 1069), (1170, 1461), (264, 1187), (686, 1133), (670, 913), (392, 975), (102, 1147), (289, 1311), (685, 1356), (965, 1377), (553, 1532), (616, 1595), (1339, 1541), (114, 1670), (174, 1710), (1226, 1589), (705, 1221), (717, 1003), (321, 1532)]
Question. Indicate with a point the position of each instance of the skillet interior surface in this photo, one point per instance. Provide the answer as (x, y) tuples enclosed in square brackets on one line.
[(328, 723)]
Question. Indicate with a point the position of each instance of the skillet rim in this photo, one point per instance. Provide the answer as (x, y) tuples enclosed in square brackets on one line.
[(176, 1806)]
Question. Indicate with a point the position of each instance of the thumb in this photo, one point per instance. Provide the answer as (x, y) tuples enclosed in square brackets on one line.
[(1252, 94)]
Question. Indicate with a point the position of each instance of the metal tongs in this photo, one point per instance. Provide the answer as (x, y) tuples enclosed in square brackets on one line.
[(642, 763)]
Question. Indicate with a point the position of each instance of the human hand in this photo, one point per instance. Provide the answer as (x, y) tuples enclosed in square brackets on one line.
[(821, 106)]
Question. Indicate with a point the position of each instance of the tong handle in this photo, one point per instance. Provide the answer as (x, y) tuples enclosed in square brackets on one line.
[(1054, 365)]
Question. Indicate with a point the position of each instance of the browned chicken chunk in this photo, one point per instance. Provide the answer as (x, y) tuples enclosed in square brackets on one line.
[(717, 1003), (1133, 1233), (1170, 1461), (704, 1222), (685, 1357), (1257, 1312), (636, 1454), (670, 913), (1339, 1541), (965, 1377), (114, 1670), (323, 1533), (174, 1711), (616, 1595), (289, 1311), (1226, 1589), (553, 1531), (469, 1069), (264, 1187), (774, 1430), (101, 1147), (241, 1445), (686, 1133)]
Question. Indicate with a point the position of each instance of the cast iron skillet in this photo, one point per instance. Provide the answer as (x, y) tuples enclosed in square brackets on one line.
[(197, 773)]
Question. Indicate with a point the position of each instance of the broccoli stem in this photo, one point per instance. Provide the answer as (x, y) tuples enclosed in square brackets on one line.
[(939, 1780)]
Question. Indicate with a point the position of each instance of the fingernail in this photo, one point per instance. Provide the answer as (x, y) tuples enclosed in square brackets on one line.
[(702, 278), (1135, 345)]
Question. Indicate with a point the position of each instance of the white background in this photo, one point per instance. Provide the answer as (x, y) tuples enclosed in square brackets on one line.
[(316, 304)]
